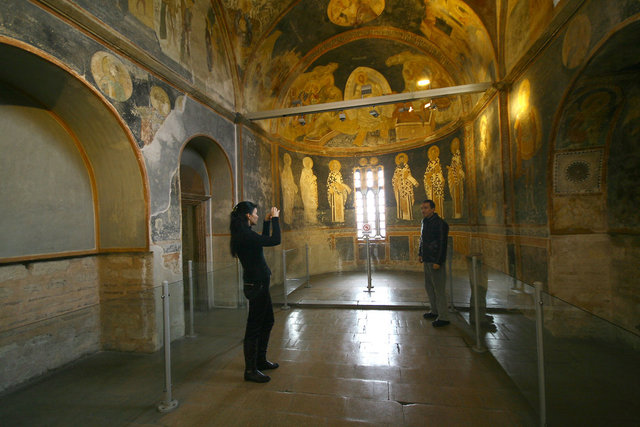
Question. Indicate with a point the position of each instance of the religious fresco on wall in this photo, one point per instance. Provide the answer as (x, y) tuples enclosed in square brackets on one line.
[(337, 191), (257, 182), (489, 183), (314, 203), (403, 183), (585, 122), (455, 178), (309, 191), (434, 180), (111, 76), (526, 19), (530, 120), (185, 35), (408, 121), (575, 45), (527, 142), (288, 72), (623, 172), (248, 20), (453, 25), (143, 101), (289, 189), (153, 115), (351, 13)]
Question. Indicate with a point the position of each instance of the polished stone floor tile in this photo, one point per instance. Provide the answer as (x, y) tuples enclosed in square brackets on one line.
[(338, 367)]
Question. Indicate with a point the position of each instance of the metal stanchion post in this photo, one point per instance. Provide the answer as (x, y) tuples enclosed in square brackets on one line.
[(476, 312), (168, 404), (369, 286), (306, 251), (539, 345), (191, 300), (450, 276), (284, 279)]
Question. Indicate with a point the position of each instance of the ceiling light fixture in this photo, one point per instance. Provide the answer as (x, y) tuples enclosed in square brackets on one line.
[(424, 82)]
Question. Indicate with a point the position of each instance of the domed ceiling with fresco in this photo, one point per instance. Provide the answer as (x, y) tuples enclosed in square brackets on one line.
[(300, 53)]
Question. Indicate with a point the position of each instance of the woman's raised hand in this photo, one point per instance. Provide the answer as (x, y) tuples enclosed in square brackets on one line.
[(275, 212)]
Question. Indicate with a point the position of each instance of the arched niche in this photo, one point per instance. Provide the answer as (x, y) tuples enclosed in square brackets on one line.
[(206, 192), (91, 164), (595, 160), (595, 166)]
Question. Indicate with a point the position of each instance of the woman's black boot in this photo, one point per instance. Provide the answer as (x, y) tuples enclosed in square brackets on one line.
[(263, 342), (251, 373)]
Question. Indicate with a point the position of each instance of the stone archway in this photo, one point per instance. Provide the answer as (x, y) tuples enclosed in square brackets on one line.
[(206, 188)]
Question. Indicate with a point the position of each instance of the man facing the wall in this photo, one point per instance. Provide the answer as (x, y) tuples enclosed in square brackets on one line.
[(433, 254)]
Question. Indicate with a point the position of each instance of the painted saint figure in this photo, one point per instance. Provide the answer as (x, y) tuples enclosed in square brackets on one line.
[(434, 180), (337, 191), (528, 141), (403, 183), (455, 177), (309, 191), (289, 189)]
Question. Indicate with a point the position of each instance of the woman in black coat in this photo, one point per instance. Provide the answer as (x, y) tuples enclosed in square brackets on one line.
[(247, 245)]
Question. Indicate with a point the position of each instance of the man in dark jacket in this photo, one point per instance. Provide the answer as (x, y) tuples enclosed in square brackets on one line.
[(433, 254)]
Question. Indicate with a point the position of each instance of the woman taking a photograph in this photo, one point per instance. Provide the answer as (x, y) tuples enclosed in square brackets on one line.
[(247, 245)]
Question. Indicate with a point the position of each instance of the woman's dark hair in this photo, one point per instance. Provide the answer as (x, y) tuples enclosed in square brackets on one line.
[(239, 222)]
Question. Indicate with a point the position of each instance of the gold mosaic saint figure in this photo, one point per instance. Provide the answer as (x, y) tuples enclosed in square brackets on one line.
[(337, 191), (403, 183), (434, 180), (455, 177), (289, 189), (309, 191)]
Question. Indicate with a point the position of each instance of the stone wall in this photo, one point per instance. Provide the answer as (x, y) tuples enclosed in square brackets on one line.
[(50, 315), (129, 302)]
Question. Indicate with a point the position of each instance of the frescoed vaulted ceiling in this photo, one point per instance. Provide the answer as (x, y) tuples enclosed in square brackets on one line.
[(304, 52)]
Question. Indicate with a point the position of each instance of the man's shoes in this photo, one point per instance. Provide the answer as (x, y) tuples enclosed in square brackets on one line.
[(256, 376), (438, 323), (430, 315), (263, 366)]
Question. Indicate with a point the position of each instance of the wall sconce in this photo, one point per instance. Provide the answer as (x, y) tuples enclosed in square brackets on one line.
[(301, 120), (342, 116), (374, 113), (365, 90)]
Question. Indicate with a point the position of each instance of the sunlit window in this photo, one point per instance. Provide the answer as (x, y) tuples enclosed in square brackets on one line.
[(369, 191)]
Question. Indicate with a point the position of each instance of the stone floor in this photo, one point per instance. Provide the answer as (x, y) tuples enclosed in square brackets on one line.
[(338, 367), (348, 357)]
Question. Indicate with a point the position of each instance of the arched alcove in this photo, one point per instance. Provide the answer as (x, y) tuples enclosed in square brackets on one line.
[(73, 186), (68, 117), (594, 195), (206, 186)]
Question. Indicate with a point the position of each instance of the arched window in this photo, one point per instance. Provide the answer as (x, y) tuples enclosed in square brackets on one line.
[(368, 181)]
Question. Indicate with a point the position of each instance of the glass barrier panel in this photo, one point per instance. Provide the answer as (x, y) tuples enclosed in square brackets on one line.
[(506, 313), (592, 368)]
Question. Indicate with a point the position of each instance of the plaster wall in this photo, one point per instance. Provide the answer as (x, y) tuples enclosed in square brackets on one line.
[(45, 185)]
